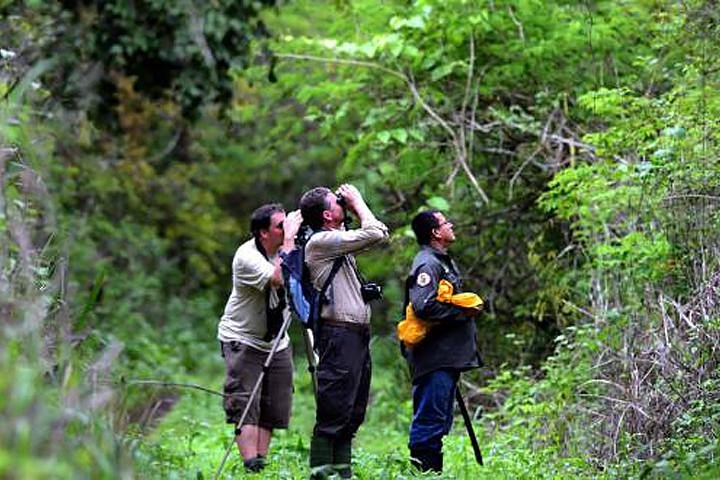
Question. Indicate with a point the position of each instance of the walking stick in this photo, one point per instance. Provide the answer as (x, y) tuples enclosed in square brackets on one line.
[(312, 358), (468, 426), (258, 383)]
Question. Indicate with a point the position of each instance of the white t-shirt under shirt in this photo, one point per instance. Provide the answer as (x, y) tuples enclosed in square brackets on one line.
[(244, 319)]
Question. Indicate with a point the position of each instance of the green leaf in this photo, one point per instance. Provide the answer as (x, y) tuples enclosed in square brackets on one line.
[(444, 70), (417, 134), (481, 17), (384, 136), (438, 203), (387, 169), (416, 22), (395, 48), (368, 49), (440, 72), (401, 135), (677, 132), (411, 51)]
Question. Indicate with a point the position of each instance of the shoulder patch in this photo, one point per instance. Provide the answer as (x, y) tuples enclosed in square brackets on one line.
[(423, 279)]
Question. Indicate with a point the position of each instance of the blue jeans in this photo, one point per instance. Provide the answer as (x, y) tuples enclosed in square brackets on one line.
[(433, 401)]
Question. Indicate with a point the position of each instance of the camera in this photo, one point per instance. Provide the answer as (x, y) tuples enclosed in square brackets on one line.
[(371, 291)]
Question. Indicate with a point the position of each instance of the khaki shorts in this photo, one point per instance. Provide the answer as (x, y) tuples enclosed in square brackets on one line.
[(272, 403)]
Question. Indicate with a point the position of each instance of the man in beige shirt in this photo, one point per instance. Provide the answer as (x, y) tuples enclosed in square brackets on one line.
[(343, 371), (249, 326)]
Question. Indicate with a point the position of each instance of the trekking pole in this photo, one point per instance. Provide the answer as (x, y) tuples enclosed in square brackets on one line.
[(258, 383), (311, 358), (468, 426)]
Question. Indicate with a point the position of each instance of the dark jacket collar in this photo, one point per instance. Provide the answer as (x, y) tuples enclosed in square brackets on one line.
[(434, 251)]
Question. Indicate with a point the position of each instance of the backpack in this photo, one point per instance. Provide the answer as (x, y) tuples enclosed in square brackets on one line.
[(305, 300), (411, 329)]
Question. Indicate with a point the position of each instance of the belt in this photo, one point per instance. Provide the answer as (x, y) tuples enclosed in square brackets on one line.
[(359, 327)]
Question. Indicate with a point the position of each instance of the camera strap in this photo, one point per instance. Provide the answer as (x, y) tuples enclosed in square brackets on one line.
[(358, 275), (328, 281)]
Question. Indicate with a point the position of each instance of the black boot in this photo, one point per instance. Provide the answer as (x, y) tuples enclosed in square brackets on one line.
[(342, 457), (254, 465), (321, 457), (427, 460)]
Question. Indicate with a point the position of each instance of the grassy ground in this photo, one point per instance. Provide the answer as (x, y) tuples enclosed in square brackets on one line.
[(191, 440)]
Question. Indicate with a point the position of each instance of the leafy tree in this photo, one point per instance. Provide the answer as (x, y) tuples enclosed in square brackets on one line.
[(469, 107), (181, 50), (573, 145)]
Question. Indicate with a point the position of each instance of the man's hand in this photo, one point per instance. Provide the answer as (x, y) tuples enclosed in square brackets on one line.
[(291, 225), (351, 194), (354, 200)]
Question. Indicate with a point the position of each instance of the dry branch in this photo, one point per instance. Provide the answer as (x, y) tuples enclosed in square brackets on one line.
[(457, 137)]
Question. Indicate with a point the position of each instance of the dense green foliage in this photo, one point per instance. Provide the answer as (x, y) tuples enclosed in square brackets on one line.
[(438, 116), (182, 50), (573, 145)]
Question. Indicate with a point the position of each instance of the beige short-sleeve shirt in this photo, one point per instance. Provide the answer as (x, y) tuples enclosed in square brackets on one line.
[(244, 319)]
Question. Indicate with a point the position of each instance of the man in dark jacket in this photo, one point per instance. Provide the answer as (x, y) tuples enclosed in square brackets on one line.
[(448, 348)]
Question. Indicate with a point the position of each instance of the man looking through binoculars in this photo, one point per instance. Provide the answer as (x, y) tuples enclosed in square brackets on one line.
[(248, 329), (343, 371)]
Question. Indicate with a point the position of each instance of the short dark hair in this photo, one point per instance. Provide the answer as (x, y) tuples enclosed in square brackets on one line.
[(260, 218), (423, 224), (312, 205)]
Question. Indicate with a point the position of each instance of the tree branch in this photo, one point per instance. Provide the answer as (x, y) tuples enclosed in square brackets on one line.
[(343, 61), (410, 82), (179, 385), (521, 32)]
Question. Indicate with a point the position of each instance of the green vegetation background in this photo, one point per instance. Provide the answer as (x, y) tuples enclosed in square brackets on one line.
[(573, 144)]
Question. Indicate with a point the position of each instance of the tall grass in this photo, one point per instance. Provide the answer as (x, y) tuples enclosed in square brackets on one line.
[(53, 402)]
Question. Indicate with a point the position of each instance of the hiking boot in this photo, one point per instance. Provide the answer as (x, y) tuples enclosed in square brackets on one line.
[(426, 460), (322, 472), (254, 465), (343, 470), (342, 456)]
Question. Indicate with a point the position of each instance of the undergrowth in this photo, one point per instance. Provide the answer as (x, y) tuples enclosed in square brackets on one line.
[(191, 440)]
